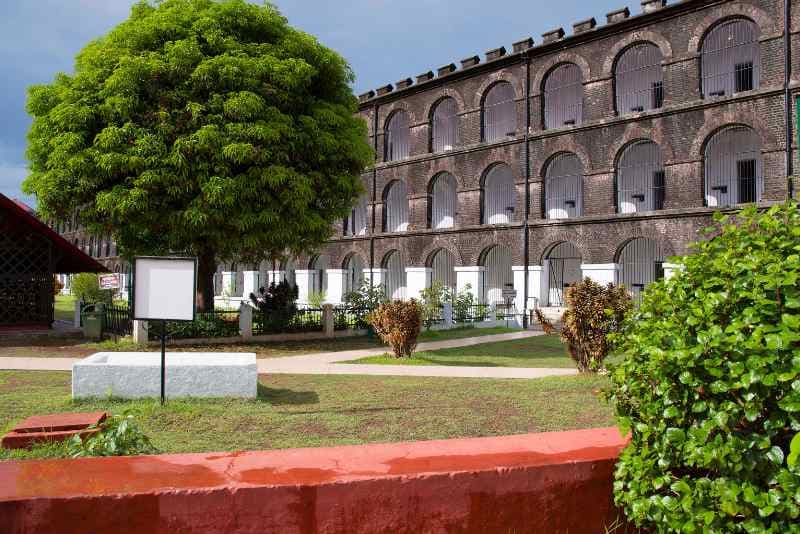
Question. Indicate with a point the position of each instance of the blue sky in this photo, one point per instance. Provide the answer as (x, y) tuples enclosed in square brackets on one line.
[(384, 41)]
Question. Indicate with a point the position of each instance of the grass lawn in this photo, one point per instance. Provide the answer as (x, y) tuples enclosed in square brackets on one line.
[(540, 351), (76, 349), (312, 411), (65, 308)]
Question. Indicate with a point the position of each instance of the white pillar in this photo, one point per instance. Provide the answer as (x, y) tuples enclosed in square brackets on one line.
[(602, 273), (378, 276), (337, 280), (417, 279), (275, 276), (304, 280), (671, 269), (251, 283), (534, 287), (472, 277)]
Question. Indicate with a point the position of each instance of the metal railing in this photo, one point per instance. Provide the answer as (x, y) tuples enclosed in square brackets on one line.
[(117, 320), (345, 318), (474, 313), (218, 323), (304, 320), (433, 316)]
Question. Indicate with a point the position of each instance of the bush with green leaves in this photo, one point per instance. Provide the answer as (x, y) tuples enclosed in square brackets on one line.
[(86, 287), (709, 385), (432, 299), (316, 299), (463, 301), (367, 296), (118, 436), (276, 304)]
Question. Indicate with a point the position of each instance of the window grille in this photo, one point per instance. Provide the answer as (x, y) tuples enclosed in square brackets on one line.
[(395, 276), (396, 210), (641, 178), (639, 79), (733, 168), (499, 196), (499, 113), (563, 187), (497, 274), (444, 131), (731, 59), (356, 223), (442, 202), (563, 270), (563, 97), (443, 269), (641, 263), (398, 137), (354, 268), (319, 278)]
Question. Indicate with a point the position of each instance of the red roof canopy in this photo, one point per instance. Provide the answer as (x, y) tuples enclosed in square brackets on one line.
[(71, 260)]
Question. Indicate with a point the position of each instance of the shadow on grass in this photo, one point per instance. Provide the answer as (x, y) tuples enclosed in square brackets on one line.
[(286, 397)]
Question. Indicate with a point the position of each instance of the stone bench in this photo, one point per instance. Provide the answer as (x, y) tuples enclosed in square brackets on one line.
[(134, 375)]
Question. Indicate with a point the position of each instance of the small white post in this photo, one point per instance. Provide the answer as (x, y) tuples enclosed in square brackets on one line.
[(327, 320), (76, 318), (448, 315), (245, 320), (140, 332)]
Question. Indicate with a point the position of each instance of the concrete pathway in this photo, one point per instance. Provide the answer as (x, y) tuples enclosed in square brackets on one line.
[(326, 363)]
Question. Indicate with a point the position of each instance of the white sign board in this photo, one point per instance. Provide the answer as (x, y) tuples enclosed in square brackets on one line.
[(109, 281), (164, 288)]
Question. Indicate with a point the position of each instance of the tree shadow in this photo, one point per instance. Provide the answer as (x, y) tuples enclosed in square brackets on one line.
[(286, 397)]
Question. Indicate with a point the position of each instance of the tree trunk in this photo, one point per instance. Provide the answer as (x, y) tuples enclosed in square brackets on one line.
[(206, 268)]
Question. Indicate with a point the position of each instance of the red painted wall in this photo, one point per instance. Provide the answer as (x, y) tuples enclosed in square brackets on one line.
[(538, 483)]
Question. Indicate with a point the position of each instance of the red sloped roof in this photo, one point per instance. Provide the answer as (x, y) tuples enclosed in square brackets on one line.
[(72, 259)]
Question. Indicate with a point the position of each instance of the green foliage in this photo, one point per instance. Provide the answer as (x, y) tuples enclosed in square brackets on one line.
[(277, 304), (316, 299), (205, 325), (398, 324), (794, 452), (710, 385), (463, 301), (366, 296), (433, 298), (118, 436), (86, 287), (204, 127), (593, 312)]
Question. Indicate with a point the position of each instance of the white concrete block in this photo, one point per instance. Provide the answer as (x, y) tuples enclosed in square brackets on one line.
[(133, 375)]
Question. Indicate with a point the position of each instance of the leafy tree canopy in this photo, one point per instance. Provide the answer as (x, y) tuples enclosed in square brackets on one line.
[(206, 127)]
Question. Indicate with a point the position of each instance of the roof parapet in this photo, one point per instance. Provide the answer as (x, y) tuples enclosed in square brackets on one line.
[(470, 62), (495, 53), (648, 6), (445, 70), (618, 16), (553, 35), (521, 46), (584, 26), (424, 77)]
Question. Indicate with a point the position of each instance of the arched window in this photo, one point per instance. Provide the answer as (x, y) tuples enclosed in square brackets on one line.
[(354, 273), (497, 274), (319, 278), (641, 262), (640, 178), (356, 223), (443, 268), (639, 79), (398, 137), (563, 263), (499, 113), (733, 167), (563, 97), (395, 276), (444, 126), (395, 207), (731, 58), (564, 187), (442, 202), (499, 196)]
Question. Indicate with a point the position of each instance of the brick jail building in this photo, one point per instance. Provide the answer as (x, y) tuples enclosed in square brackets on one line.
[(596, 154)]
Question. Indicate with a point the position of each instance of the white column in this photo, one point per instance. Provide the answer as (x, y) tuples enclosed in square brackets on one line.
[(251, 283), (534, 287), (602, 273), (470, 276), (417, 279), (378, 276), (337, 279), (671, 269), (304, 280)]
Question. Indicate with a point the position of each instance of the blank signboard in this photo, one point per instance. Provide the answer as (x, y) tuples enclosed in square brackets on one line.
[(164, 288)]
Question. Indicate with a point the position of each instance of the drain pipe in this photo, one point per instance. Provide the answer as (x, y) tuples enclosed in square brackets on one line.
[(374, 198), (526, 232), (787, 58)]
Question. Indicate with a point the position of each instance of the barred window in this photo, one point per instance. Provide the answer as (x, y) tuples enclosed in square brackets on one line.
[(563, 97), (442, 202), (733, 168), (356, 223), (497, 274), (398, 137), (640, 178), (639, 79), (443, 268), (731, 59), (564, 187), (395, 276), (499, 113), (499, 196), (641, 263), (395, 208), (444, 127)]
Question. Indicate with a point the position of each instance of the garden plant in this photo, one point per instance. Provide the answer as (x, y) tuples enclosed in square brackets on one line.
[(709, 386), (398, 324)]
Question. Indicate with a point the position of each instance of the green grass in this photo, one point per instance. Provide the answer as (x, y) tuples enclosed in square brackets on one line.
[(312, 411), (65, 308), (540, 351)]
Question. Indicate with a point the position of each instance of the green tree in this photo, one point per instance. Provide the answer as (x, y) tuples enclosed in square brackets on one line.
[(202, 127)]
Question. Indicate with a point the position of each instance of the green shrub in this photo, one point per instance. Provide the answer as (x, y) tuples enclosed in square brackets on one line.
[(710, 385), (86, 287), (366, 296), (276, 305), (432, 300), (118, 436), (316, 299), (398, 324), (593, 312)]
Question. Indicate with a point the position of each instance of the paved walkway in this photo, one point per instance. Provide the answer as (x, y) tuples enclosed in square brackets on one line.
[(325, 363)]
